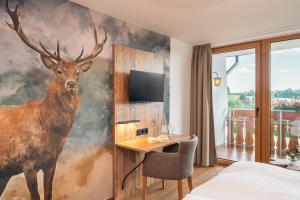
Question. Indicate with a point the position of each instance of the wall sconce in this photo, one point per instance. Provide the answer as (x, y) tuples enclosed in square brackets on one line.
[(129, 122), (217, 80)]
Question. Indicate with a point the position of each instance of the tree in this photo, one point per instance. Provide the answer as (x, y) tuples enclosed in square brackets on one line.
[(236, 104), (243, 97)]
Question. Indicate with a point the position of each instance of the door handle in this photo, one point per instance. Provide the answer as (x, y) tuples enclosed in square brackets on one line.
[(257, 111)]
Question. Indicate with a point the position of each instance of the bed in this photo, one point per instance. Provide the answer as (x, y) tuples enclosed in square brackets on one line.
[(250, 181)]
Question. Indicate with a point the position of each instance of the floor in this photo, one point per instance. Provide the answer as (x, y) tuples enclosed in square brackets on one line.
[(201, 175), (235, 152)]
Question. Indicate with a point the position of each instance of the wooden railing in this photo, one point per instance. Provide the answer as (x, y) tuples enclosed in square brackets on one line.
[(241, 128)]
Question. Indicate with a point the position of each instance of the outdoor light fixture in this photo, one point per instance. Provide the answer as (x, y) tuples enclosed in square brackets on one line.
[(217, 80)]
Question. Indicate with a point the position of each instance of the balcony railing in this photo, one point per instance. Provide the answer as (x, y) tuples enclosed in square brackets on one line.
[(285, 129)]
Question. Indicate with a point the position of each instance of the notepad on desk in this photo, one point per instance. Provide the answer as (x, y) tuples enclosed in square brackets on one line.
[(160, 138)]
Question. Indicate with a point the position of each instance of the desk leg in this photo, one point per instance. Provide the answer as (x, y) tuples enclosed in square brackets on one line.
[(124, 179), (144, 187), (162, 184)]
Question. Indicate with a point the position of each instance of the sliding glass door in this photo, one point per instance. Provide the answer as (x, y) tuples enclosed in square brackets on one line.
[(234, 101), (256, 99), (284, 97)]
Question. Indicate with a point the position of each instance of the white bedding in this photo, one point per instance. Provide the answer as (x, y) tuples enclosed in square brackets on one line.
[(250, 181)]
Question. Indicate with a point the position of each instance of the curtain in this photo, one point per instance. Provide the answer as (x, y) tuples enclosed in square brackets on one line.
[(202, 122)]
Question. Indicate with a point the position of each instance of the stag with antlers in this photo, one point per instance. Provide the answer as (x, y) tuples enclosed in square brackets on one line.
[(33, 135)]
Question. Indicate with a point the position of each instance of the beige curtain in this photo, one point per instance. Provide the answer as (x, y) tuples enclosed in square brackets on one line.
[(202, 123)]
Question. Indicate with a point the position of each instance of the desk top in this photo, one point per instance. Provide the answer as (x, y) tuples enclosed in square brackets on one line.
[(142, 145)]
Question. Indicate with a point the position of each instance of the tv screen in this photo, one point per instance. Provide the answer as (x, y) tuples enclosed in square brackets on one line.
[(146, 87)]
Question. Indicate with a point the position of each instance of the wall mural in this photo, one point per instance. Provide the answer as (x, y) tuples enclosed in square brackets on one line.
[(59, 131)]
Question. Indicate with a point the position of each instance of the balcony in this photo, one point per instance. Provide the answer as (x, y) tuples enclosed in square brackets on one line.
[(239, 141)]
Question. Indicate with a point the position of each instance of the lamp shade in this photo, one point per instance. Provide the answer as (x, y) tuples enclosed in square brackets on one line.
[(217, 81)]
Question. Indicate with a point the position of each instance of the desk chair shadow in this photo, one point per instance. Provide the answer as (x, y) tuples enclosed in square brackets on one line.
[(171, 165)]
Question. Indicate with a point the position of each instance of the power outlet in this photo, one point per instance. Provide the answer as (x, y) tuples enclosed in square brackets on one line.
[(142, 131)]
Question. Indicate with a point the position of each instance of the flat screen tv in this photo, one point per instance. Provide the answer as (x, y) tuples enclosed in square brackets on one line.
[(146, 87)]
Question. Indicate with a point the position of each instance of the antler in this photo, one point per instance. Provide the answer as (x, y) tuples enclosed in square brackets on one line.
[(97, 48), (16, 26)]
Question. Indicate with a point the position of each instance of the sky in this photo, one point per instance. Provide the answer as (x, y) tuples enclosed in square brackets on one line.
[(285, 71)]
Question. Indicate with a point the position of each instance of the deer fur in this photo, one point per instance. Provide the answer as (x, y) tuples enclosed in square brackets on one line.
[(32, 135)]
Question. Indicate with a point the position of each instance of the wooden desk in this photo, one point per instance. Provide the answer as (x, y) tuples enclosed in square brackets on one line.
[(142, 145)]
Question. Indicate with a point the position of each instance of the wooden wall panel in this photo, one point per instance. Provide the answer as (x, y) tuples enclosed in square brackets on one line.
[(149, 114)]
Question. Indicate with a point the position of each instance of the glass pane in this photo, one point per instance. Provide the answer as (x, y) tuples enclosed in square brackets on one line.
[(285, 98), (233, 105)]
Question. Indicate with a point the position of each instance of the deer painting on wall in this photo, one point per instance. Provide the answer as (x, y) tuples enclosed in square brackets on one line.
[(33, 135)]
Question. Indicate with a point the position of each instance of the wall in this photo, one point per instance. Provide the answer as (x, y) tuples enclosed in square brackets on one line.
[(180, 78), (149, 114), (220, 100), (84, 168)]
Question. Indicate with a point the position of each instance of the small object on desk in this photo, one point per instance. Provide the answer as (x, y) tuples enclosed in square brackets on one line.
[(164, 125), (171, 129), (160, 138)]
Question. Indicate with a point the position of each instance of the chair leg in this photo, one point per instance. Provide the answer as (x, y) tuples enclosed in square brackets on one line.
[(144, 187), (190, 182), (180, 192), (163, 184)]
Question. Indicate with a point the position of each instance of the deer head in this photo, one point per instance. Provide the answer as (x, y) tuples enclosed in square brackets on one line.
[(67, 71)]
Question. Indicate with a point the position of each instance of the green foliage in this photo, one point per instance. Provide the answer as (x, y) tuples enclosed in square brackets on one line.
[(235, 104), (233, 96), (243, 97), (293, 107), (247, 99), (287, 93), (249, 93), (240, 100)]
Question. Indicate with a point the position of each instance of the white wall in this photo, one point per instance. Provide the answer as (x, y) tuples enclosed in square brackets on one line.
[(220, 100), (180, 78)]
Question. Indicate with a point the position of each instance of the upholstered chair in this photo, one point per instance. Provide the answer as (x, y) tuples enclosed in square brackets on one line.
[(170, 165)]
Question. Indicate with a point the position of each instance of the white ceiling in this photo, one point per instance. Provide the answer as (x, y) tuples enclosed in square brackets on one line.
[(219, 22)]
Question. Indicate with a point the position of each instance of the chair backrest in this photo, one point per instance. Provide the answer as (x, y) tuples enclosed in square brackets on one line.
[(172, 165), (186, 153), (188, 147)]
